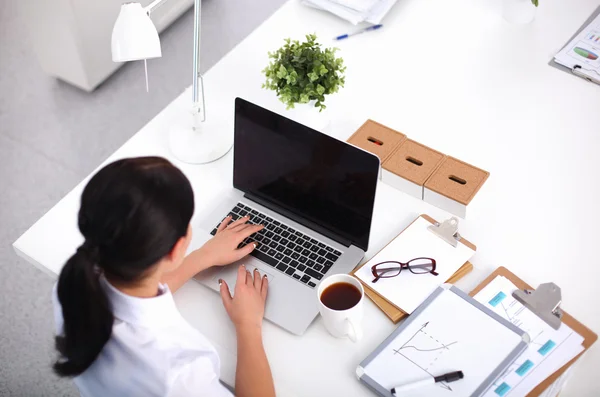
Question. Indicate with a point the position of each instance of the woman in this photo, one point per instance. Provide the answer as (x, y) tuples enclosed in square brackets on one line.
[(119, 332)]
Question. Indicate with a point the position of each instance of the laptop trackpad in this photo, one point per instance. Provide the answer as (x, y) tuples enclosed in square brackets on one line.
[(229, 274)]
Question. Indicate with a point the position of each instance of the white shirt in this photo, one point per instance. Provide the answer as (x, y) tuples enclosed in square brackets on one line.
[(153, 351)]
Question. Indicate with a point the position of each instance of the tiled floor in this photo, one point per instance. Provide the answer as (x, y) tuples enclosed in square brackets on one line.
[(52, 135)]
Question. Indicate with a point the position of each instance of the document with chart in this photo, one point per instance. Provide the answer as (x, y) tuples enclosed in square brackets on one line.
[(548, 350), (583, 52)]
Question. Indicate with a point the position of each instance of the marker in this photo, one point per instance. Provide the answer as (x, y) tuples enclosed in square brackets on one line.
[(370, 28), (449, 377)]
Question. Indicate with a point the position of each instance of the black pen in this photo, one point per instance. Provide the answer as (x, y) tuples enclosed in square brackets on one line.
[(449, 377)]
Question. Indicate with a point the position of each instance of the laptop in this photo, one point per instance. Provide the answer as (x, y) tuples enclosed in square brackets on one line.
[(315, 196)]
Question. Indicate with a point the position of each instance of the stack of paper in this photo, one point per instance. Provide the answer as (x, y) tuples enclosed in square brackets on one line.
[(355, 11), (548, 351)]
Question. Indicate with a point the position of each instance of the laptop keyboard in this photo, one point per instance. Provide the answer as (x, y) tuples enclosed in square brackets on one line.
[(291, 252)]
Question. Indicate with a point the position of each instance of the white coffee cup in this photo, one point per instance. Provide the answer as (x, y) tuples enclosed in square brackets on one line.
[(342, 323)]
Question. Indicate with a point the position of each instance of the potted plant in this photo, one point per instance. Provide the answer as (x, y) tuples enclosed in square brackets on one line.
[(519, 11), (304, 73)]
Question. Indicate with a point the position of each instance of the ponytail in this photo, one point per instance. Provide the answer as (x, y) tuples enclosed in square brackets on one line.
[(88, 319)]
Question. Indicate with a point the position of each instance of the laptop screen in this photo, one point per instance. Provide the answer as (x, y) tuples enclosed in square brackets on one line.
[(318, 181)]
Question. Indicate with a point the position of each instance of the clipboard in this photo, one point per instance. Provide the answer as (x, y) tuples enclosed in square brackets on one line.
[(374, 371), (589, 336), (574, 71), (392, 311)]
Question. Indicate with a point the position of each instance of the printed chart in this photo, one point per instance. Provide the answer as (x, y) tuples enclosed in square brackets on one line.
[(593, 37), (545, 341), (586, 53), (583, 51), (424, 350)]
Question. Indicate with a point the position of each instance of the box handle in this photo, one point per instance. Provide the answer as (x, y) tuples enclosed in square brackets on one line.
[(456, 179), (413, 160), (375, 141)]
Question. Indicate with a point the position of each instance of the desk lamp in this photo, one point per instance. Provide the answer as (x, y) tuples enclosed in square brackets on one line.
[(192, 138)]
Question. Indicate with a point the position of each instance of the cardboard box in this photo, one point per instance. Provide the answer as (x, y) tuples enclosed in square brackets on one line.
[(453, 185), (409, 166), (377, 139)]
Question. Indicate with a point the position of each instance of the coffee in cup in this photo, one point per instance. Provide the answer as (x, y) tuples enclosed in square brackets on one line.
[(340, 304), (341, 296)]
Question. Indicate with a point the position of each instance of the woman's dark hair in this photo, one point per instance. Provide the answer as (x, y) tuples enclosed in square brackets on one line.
[(132, 214)]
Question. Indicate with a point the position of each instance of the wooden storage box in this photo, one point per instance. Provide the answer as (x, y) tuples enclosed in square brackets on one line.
[(409, 166), (377, 139), (453, 185)]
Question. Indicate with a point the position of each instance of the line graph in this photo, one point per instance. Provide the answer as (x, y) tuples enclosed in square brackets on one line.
[(424, 350), (512, 311)]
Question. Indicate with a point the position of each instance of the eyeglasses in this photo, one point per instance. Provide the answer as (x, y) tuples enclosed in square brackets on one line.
[(391, 269)]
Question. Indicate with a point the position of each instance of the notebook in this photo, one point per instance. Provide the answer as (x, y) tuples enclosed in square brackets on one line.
[(408, 290), (450, 331)]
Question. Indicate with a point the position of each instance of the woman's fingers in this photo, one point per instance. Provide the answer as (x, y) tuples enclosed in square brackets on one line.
[(264, 287), (225, 294), (245, 250), (241, 276), (248, 230), (240, 221), (240, 227), (257, 280), (224, 224)]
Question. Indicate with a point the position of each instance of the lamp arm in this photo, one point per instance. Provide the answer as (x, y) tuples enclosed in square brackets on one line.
[(199, 108), (198, 82), (155, 5)]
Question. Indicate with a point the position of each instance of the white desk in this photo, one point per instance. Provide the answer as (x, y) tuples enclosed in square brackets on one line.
[(452, 75)]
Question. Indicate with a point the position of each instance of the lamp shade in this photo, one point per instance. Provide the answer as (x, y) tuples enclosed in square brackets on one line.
[(134, 35)]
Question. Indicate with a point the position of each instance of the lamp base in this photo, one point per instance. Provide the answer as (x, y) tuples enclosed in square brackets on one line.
[(199, 142)]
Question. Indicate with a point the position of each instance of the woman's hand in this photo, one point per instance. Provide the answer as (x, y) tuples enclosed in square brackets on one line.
[(247, 307), (222, 249)]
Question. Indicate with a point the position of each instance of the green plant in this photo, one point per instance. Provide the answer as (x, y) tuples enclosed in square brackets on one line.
[(535, 2), (303, 72)]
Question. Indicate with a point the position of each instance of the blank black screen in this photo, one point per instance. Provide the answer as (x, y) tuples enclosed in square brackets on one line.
[(323, 181)]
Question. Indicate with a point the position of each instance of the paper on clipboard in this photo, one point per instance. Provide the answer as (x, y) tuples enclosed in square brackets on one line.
[(407, 291), (582, 53), (548, 351), (556, 387), (589, 336)]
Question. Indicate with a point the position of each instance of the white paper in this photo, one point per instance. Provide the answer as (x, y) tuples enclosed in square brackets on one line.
[(554, 389), (548, 351), (380, 11), (583, 50), (358, 5), (352, 16), (450, 335), (354, 11), (407, 291)]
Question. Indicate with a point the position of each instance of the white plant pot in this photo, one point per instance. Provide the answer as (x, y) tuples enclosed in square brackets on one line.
[(308, 115), (518, 11)]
